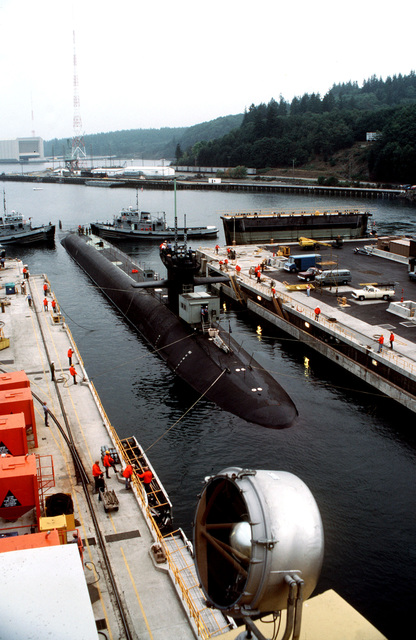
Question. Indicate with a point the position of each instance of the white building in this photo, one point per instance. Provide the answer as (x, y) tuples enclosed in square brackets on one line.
[(21, 150)]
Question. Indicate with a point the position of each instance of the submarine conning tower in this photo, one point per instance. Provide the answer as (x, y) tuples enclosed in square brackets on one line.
[(182, 265)]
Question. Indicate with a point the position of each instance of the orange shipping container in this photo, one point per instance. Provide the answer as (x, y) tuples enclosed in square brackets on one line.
[(19, 491), (13, 440), (17, 401)]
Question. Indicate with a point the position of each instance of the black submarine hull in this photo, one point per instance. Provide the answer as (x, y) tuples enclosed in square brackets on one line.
[(231, 379)]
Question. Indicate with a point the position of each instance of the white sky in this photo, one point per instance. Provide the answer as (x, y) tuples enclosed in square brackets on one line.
[(166, 63)]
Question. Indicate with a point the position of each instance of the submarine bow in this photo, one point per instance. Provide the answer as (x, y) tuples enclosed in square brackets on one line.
[(231, 378)]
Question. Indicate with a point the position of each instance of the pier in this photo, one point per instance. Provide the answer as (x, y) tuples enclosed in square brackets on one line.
[(196, 184), (346, 331)]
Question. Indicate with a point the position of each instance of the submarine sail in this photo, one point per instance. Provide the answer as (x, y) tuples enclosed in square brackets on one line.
[(206, 357)]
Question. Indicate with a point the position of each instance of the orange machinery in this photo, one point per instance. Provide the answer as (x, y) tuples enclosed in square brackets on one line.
[(19, 490), (13, 380), (17, 401), (13, 439), (30, 541)]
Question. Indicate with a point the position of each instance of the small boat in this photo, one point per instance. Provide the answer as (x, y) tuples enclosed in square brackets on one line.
[(15, 229), (132, 224)]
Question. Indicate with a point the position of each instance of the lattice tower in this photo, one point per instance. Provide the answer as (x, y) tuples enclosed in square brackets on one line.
[(78, 145)]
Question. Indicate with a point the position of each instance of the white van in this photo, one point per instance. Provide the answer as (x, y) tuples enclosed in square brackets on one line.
[(333, 277)]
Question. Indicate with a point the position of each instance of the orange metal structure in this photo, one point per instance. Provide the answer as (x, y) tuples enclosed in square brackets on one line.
[(17, 401), (13, 439), (19, 491), (30, 541), (13, 380)]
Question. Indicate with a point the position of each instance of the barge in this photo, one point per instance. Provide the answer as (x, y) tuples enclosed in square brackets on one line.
[(272, 226)]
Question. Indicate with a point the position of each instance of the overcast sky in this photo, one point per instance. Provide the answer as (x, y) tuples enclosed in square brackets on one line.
[(161, 63)]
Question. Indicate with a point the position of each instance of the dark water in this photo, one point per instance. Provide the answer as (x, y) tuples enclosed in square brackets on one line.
[(354, 449)]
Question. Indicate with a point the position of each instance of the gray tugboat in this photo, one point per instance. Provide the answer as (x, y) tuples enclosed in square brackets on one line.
[(132, 224), (14, 229)]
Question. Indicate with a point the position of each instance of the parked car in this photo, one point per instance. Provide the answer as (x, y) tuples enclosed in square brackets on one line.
[(412, 275), (374, 293), (333, 277), (309, 274), (367, 250)]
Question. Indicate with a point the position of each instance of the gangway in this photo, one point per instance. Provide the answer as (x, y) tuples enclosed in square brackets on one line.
[(236, 289)]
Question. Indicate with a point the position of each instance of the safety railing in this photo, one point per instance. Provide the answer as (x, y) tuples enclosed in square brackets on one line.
[(194, 612), (399, 360)]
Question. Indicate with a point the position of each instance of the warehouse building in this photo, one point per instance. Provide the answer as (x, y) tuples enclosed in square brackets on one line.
[(21, 150)]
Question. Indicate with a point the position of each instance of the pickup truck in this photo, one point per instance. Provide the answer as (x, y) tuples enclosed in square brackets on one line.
[(373, 293), (309, 274)]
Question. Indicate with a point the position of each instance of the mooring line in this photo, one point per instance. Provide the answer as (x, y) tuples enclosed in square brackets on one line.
[(186, 412)]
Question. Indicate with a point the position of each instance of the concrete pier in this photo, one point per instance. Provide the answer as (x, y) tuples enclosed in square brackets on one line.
[(346, 332)]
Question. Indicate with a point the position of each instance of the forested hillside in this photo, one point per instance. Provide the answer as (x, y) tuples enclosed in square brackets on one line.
[(147, 143), (282, 134), (309, 129)]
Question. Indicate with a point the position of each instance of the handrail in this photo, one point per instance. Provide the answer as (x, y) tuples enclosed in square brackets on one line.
[(194, 612), (401, 362)]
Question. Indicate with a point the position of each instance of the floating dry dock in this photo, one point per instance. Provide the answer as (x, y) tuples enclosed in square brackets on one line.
[(347, 330), (122, 577)]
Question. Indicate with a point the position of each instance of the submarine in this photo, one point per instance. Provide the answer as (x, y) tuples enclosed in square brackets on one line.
[(182, 326)]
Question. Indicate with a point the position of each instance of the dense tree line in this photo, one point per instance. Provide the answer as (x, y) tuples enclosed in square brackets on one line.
[(280, 134), (146, 143)]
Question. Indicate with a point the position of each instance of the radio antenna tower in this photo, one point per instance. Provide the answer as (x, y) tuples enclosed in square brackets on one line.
[(33, 120), (78, 145)]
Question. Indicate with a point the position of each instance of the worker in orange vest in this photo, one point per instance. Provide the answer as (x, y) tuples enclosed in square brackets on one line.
[(317, 312), (45, 304), (97, 474), (73, 373), (380, 343), (70, 354), (108, 462), (127, 473), (146, 476)]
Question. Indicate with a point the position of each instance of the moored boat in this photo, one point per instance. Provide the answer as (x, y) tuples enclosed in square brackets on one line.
[(131, 224), (15, 229), (272, 226)]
